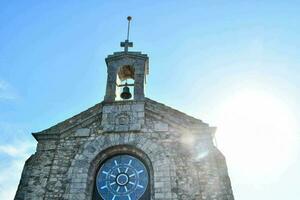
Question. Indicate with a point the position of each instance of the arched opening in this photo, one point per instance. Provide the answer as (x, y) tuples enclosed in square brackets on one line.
[(125, 78), (124, 173)]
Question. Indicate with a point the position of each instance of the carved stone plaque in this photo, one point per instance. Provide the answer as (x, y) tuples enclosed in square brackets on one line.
[(125, 116)]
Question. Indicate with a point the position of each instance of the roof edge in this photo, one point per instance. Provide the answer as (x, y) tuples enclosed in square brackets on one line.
[(177, 112), (70, 122)]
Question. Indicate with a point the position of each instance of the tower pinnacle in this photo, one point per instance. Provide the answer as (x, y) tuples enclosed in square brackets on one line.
[(127, 44)]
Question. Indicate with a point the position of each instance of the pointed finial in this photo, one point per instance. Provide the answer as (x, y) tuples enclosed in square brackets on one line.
[(127, 44), (128, 28)]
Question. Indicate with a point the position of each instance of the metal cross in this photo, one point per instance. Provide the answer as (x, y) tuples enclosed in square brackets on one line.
[(127, 44)]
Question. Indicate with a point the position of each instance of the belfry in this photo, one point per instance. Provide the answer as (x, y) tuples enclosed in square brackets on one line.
[(127, 147)]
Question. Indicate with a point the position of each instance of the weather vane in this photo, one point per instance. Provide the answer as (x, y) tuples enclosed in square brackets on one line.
[(127, 44)]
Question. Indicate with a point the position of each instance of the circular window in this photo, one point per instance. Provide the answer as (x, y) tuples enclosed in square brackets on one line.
[(122, 177)]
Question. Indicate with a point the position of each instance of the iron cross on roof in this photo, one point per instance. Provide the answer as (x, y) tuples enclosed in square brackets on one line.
[(127, 44)]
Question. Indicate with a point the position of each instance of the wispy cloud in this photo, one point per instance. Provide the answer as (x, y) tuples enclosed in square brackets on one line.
[(9, 178), (14, 150), (7, 91), (9, 150)]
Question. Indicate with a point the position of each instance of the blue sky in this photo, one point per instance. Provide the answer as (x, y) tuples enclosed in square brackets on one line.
[(232, 64)]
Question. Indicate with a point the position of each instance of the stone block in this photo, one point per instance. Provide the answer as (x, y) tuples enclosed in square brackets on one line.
[(138, 107), (82, 132), (135, 127), (161, 127)]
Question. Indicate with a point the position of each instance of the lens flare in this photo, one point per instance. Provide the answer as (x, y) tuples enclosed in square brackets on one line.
[(257, 133)]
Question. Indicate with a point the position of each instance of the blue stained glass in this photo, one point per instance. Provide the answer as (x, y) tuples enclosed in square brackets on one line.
[(122, 177)]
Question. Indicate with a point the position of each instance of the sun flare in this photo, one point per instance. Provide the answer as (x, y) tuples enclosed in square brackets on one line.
[(257, 133)]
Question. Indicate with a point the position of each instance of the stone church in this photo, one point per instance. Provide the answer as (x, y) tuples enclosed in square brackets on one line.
[(127, 147)]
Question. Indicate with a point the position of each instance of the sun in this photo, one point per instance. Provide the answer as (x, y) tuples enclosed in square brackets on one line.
[(257, 133)]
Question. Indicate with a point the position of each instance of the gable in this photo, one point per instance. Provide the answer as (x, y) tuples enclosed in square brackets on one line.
[(162, 114)]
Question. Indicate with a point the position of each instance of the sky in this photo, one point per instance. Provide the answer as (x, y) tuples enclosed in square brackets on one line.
[(232, 64)]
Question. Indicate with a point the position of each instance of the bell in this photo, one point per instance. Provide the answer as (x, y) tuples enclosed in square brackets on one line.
[(126, 93)]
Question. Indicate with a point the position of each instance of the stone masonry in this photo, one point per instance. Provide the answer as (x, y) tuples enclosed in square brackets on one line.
[(185, 164)]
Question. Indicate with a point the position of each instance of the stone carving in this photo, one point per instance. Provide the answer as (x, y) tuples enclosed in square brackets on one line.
[(122, 119), (125, 116)]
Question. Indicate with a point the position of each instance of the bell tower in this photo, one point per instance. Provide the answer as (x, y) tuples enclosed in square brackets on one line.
[(126, 66)]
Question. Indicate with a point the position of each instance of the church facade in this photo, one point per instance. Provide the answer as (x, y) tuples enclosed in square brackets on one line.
[(127, 147)]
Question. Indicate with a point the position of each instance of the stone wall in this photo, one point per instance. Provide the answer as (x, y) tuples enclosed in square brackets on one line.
[(178, 149)]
